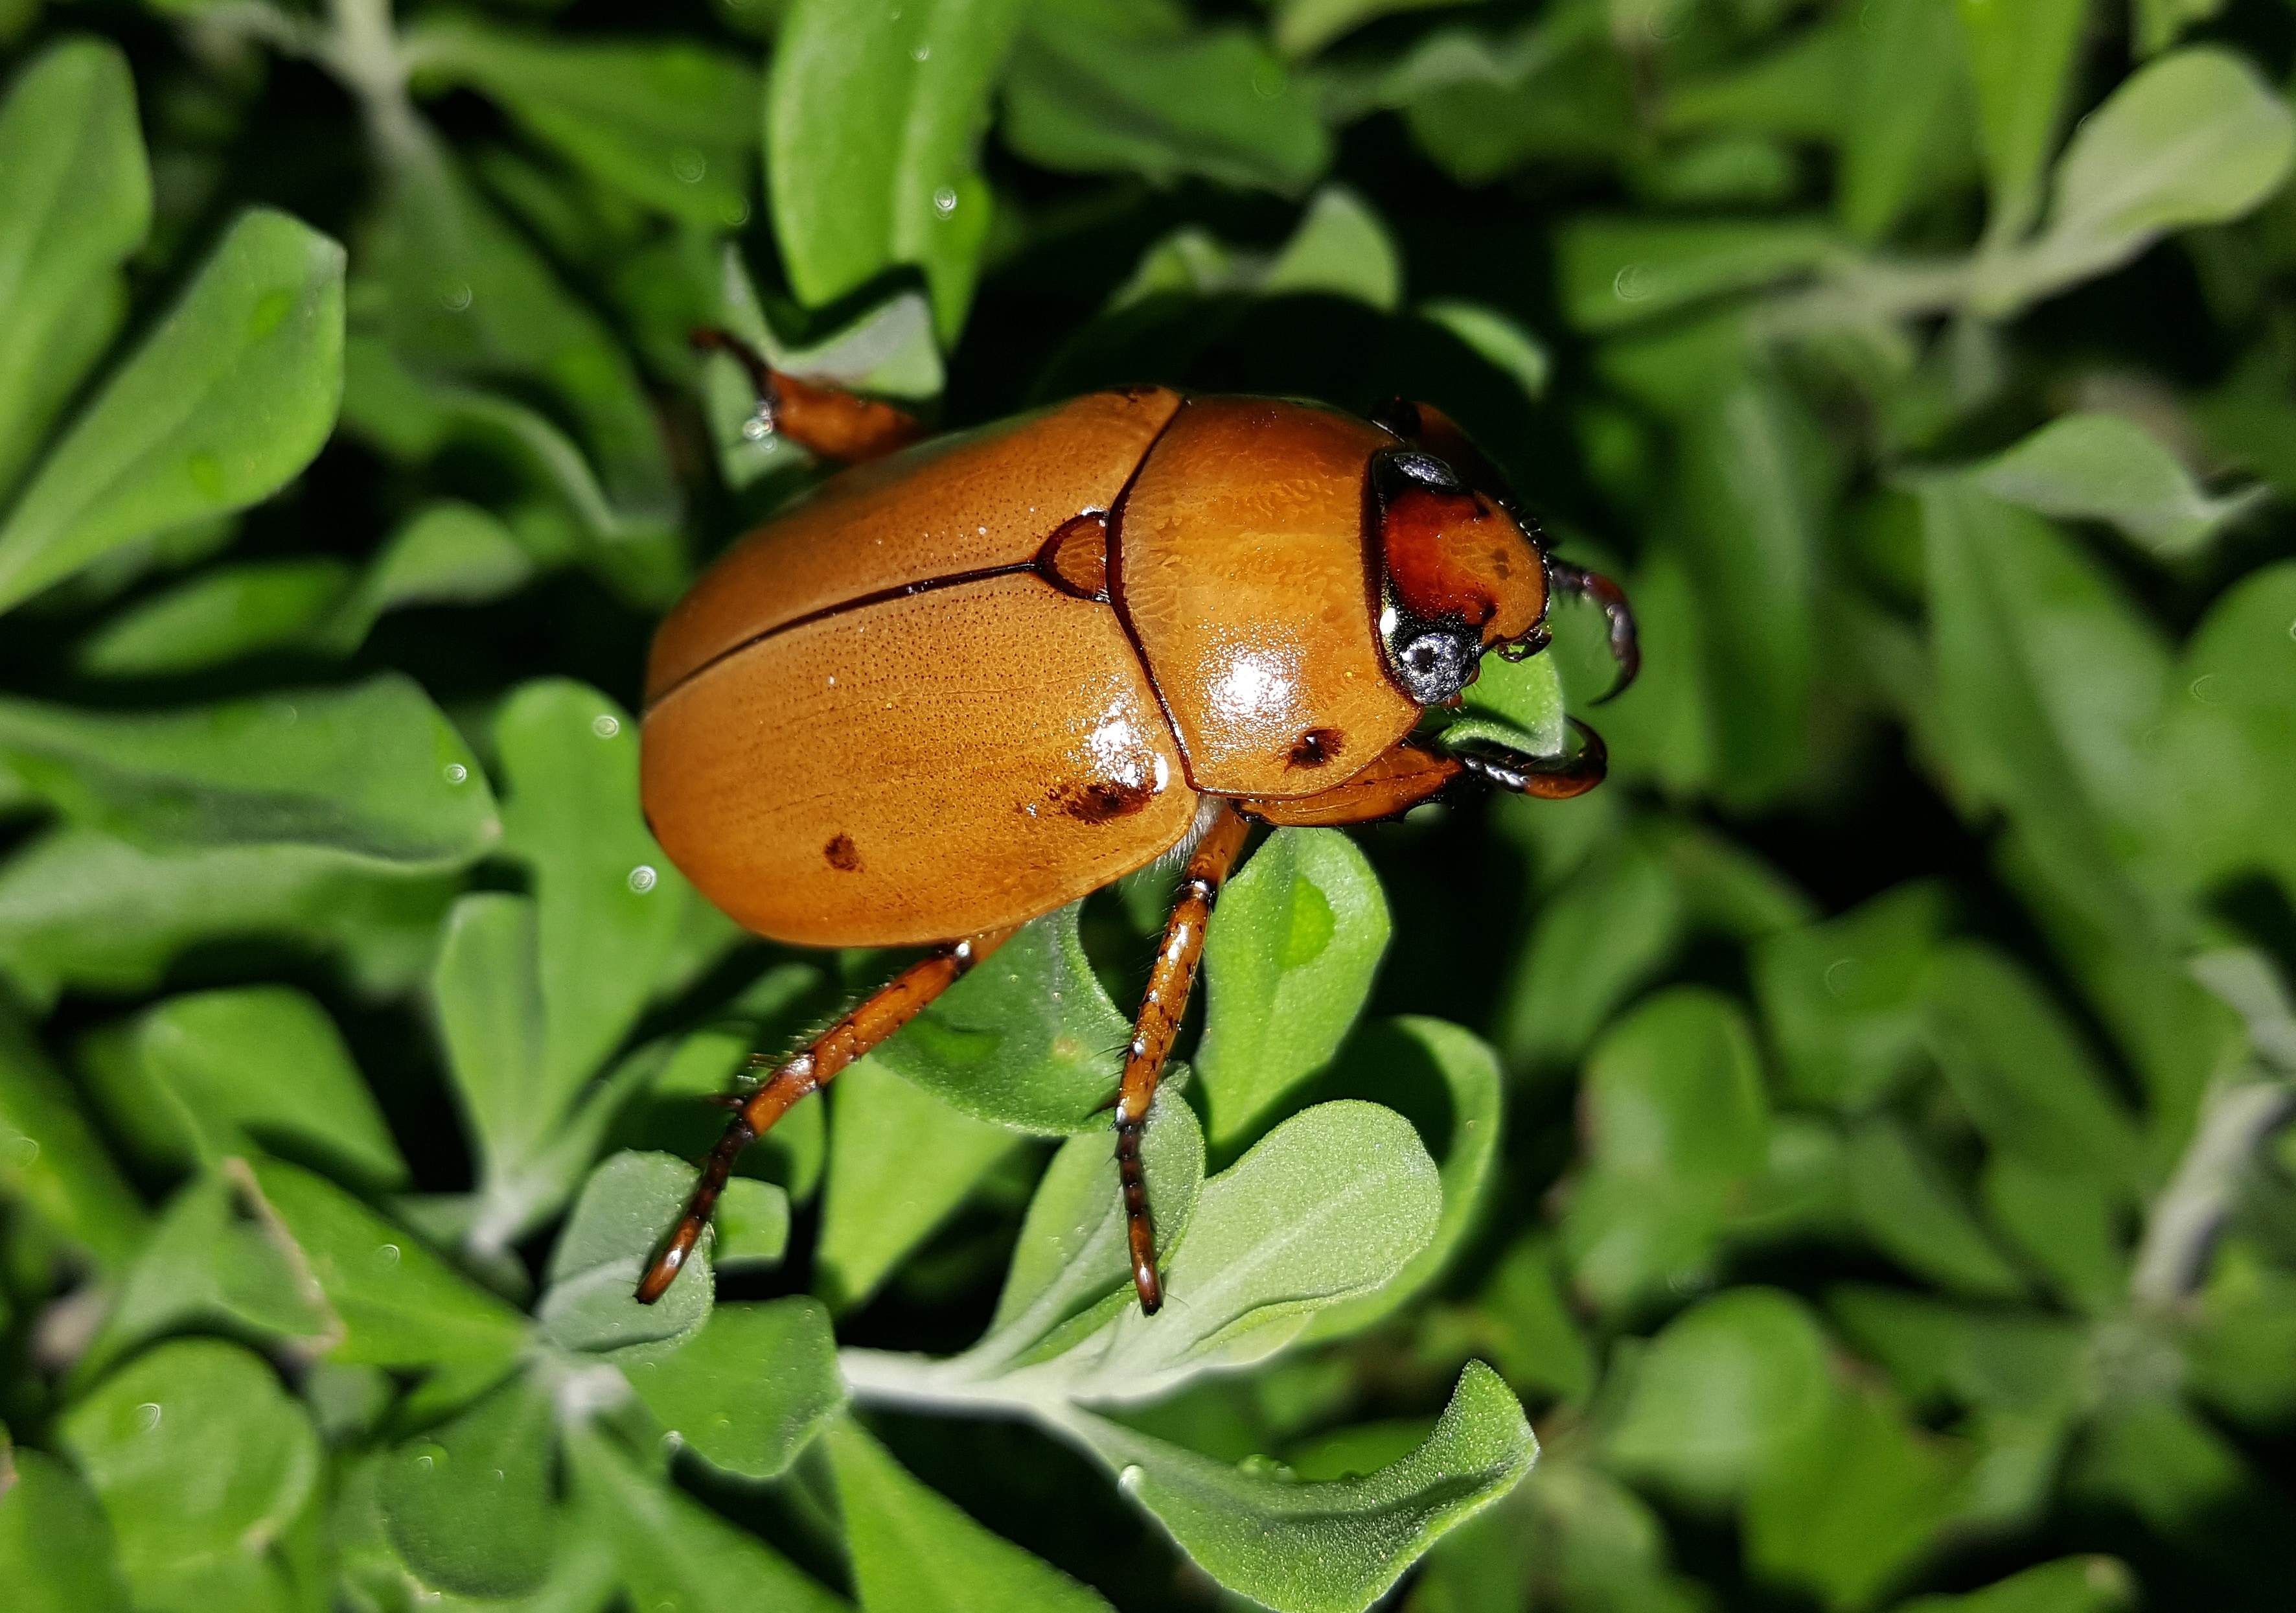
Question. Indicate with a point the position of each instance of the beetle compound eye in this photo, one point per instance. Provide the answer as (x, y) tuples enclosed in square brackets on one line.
[(1433, 665)]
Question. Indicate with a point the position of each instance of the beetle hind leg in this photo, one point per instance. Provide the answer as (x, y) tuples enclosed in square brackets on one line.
[(804, 1072), (1169, 983), (825, 420)]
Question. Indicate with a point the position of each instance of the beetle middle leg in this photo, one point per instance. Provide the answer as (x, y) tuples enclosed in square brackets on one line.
[(900, 1001), (1160, 1010), (825, 420)]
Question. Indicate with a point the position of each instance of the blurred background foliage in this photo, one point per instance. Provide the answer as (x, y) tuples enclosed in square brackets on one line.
[(1856, 1136)]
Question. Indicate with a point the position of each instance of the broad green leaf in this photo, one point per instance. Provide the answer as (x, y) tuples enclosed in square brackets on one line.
[(873, 119), (75, 201), (488, 1003), (1533, 1338), (218, 616), (1907, 134), (1677, 1130), (1408, 1061), (1339, 247), (1071, 1250), (607, 901), (1911, 1212), (215, 1258), (1290, 956), (1498, 338), (53, 1163), (753, 1223), (1942, 1355), (677, 1554), (2021, 57), (1803, 89), (1728, 1390), (1525, 695), (1839, 999), (901, 1159), (449, 553), (202, 1462), (226, 400), (374, 773), (1855, 1505), (1102, 87), (1029, 1039), (1333, 1546), (2192, 137), (1304, 27), (469, 1504), (1606, 932), (750, 1389), (464, 303), (2021, 1073), (2066, 1225), (2153, 1455), (627, 1207), (397, 1303), (1718, 170), (1331, 1205), (1557, 92), (2103, 467), (583, 1571), (2070, 1584), (82, 909), (55, 1544), (1615, 271), (671, 124), (197, 1077), (915, 1551)]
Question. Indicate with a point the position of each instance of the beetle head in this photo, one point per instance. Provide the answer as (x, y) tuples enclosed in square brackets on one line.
[(1458, 575)]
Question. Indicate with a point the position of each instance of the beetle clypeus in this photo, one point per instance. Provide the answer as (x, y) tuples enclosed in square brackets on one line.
[(977, 678)]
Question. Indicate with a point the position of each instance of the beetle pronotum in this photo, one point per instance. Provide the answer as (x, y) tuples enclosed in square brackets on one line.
[(972, 681)]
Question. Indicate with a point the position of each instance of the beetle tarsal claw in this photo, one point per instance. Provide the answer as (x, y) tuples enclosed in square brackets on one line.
[(1548, 777), (1610, 599)]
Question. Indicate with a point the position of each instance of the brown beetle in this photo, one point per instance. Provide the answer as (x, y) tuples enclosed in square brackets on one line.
[(976, 679)]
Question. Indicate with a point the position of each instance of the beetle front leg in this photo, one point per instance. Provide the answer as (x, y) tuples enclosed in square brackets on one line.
[(825, 420), (900, 1001), (1160, 1010), (1548, 777)]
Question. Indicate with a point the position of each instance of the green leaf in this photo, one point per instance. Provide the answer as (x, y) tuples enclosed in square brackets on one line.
[(373, 774), (1071, 1250), (1333, 1546), (1290, 956), (1907, 135), (1677, 1130), (1855, 1506), (2022, 58), (627, 1207), (1526, 695), (1603, 934), (1498, 338), (872, 124), (2103, 467), (1028, 1040), (51, 1160), (1533, 1337), (202, 1462), (1329, 1205), (2070, 1584), (1615, 271), (672, 124), (1557, 92), (448, 553), (488, 1003), (397, 1303), (469, 1505), (607, 901), (2067, 1226), (1728, 1390), (753, 1223), (2192, 137), (1911, 1213), (55, 1544), (75, 201), (227, 399), (1100, 86), (1840, 999), (1407, 1061), (901, 1159), (1304, 27), (203, 1076), (915, 1551), (82, 909), (2021, 1072), (1942, 1355), (1803, 89), (218, 616), (677, 1554), (1341, 247), (750, 1389)]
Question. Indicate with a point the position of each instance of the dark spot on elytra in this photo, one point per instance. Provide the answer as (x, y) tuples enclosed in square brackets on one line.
[(841, 855), (1100, 800), (1315, 747)]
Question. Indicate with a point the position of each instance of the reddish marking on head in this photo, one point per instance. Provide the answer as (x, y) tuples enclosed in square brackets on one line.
[(1459, 556)]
